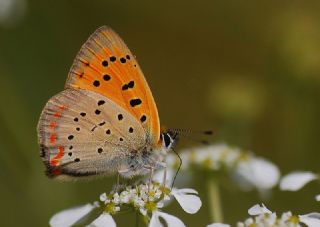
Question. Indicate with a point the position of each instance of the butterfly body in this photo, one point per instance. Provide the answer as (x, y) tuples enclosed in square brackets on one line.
[(106, 120)]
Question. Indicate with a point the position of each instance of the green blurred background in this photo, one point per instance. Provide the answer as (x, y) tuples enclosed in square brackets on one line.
[(250, 70)]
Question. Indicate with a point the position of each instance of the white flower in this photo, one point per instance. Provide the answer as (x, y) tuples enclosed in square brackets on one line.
[(189, 202), (265, 218), (257, 172), (296, 180), (213, 157), (249, 171), (70, 216), (259, 209), (103, 197), (218, 225), (146, 198), (170, 220), (311, 220), (125, 197), (116, 198), (103, 220), (317, 197)]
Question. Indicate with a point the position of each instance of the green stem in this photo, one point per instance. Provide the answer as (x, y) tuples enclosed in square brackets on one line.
[(145, 219), (215, 206), (137, 218)]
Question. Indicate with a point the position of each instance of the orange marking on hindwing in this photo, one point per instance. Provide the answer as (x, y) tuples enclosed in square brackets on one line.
[(57, 114), (55, 161), (53, 138), (56, 171), (62, 107), (53, 124)]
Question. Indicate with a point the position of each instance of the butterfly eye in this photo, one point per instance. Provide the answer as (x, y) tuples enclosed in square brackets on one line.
[(167, 140)]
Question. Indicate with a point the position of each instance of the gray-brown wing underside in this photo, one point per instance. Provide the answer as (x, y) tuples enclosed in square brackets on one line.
[(83, 133)]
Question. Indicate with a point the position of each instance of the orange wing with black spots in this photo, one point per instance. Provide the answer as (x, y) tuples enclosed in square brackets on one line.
[(105, 65)]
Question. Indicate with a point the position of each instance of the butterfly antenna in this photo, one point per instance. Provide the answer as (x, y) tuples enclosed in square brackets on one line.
[(180, 163), (190, 134)]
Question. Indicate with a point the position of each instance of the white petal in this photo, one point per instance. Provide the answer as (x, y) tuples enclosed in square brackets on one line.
[(189, 203), (317, 197), (258, 172), (296, 180), (103, 197), (171, 220), (70, 216), (311, 220), (185, 191), (259, 209), (218, 225), (103, 220)]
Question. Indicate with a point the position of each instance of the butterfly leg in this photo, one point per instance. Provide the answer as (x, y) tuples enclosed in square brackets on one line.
[(118, 182), (164, 177), (151, 176)]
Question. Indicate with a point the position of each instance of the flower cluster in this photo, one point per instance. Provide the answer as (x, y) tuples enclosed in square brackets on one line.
[(245, 168), (147, 199), (261, 216)]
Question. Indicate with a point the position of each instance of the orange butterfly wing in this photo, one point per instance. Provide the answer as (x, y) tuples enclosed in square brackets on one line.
[(105, 65)]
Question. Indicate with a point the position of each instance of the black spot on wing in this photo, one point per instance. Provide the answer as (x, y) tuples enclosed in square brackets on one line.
[(128, 85), (120, 117), (96, 83), (123, 60), (101, 102), (106, 77), (104, 63), (135, 102), (143, 118)]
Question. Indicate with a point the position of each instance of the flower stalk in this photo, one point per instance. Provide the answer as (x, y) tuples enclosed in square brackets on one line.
[(215, 206)]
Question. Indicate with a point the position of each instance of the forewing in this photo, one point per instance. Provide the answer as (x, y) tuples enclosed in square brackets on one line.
[(105, 65), (84, 133)]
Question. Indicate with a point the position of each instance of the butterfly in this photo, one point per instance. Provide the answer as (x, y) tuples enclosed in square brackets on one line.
[(106, 120)]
